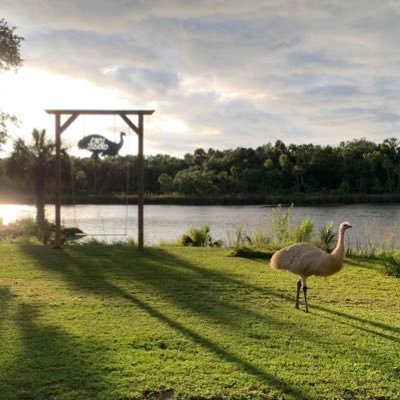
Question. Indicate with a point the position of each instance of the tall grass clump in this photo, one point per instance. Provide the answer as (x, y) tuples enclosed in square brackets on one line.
[(327, 237), (285, 232), (260, 240), (392, 264), (199, 237), (24, 228), (280, 222), (303, 232), (238, 237), (364, 249), (373, 248), (249, 246)]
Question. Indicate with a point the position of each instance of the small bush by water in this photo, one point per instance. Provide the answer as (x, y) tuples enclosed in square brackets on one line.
[(327, 237), (27, 228), (199, 237), (392, 264)]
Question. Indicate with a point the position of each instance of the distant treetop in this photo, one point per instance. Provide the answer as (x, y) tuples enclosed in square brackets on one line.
[(9, 47)]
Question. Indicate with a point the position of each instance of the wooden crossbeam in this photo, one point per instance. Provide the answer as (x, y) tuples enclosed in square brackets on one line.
[(100, 112), (68, 122), (129, 122)]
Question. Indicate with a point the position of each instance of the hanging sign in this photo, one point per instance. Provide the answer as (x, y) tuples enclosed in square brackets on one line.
[(99, 145)]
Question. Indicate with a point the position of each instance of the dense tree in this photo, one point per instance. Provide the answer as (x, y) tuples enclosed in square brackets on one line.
[(166, 183), (9, 59), (33, 165), (357, 166), (389, 151)]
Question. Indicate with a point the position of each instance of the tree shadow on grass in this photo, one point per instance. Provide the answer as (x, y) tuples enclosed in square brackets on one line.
[(374, 324), (203, 292), (268, 292), (5, 299), (50, 363), (362, 328), (222, 353), (106, 275), (171, 276), (206, 292)]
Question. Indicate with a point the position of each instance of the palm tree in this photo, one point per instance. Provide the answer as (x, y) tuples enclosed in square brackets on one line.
[(33, 164)]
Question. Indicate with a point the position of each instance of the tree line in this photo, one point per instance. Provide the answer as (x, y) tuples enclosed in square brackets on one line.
[(357, 166)]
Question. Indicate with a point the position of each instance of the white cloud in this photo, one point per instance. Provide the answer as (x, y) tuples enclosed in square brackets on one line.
[(229, 73)]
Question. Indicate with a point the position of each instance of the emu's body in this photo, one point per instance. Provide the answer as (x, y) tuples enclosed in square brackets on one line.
[(111, 149), (305, 259)]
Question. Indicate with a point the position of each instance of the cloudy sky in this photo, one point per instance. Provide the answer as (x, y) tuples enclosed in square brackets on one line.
[(219, 74)]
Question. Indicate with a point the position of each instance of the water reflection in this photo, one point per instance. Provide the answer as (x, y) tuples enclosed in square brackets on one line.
[(372, 223)]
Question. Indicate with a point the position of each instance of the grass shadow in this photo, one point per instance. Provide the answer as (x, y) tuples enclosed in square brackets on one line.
[(175, 278), (50, 362), (98, 271), (206, 292), (5, 299)]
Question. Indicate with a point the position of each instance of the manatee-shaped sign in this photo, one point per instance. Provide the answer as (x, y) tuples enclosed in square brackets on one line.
[(99, 145)]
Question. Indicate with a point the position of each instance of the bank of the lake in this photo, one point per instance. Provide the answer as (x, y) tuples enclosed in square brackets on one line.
[(374, 226), (299, 199)]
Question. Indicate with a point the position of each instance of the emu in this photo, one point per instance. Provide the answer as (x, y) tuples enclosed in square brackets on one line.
[(305, 259)]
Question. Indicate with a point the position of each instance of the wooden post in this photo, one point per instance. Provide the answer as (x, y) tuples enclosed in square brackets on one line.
[(58, 182), (140, 184)]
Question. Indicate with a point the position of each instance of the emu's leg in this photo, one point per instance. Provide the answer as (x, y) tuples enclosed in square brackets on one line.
[(305, 292), (298, 293)]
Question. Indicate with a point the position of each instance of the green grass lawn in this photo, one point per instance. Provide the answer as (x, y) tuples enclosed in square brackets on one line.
[(93, 322)]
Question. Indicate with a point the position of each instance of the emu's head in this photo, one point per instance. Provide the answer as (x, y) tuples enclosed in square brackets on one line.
[(345, 225)]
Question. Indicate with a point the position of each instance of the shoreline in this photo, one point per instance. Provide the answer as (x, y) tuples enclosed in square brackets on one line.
[(297, 199)]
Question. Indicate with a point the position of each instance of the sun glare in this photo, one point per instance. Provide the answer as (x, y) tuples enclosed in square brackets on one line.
[(11, 212), (29, 92)]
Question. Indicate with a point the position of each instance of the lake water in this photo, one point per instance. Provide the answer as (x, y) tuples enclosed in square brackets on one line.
[(165, 223)]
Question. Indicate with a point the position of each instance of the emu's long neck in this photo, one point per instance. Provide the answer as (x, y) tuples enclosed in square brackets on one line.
[(338, 252), (121, 140)]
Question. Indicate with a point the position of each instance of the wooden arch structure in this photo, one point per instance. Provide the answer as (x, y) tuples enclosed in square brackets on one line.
[(60, 127)]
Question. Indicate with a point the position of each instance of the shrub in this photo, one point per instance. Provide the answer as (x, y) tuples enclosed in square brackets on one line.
[(280, 223), (199, 237), (327, 237), (27, 227), (23, 227), (304, 231), (240, 238), (260, 240), (392, 264), (284, 232)]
